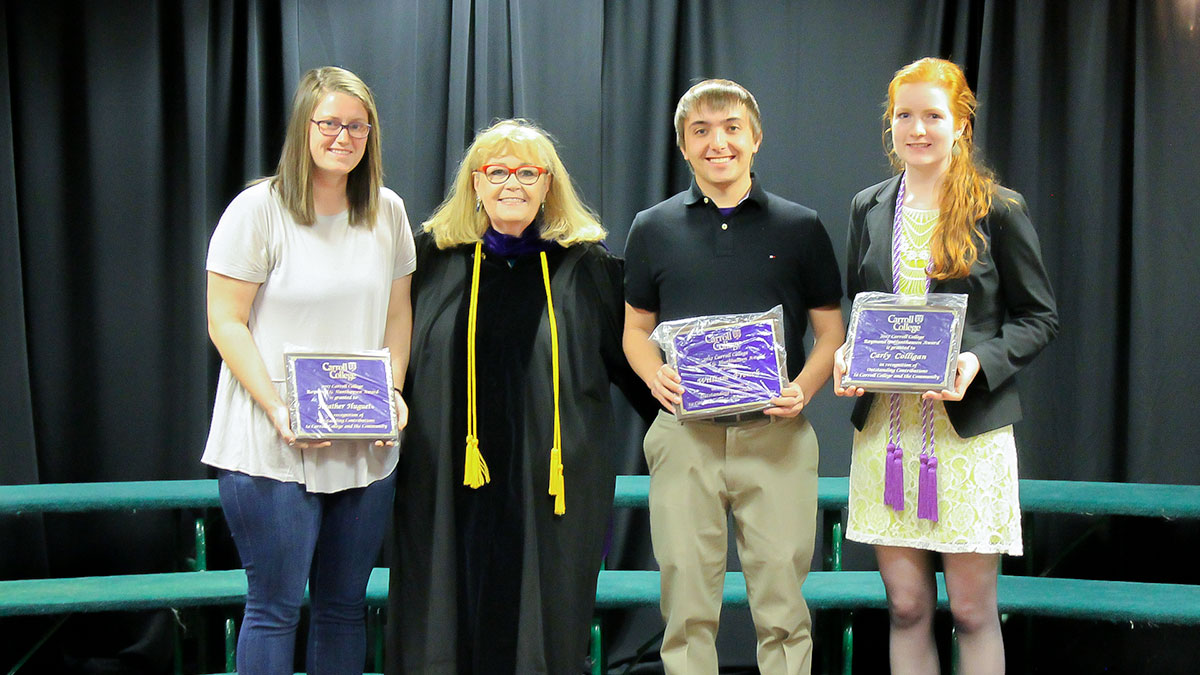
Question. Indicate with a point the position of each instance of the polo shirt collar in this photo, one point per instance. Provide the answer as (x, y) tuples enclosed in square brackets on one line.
[(757, 194)]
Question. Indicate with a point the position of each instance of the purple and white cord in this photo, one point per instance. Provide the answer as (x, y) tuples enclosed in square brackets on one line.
[(893, 473)]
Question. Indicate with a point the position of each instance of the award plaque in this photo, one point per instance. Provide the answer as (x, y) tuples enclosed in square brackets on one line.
[(730, 364), (904, 343), (338, 396)]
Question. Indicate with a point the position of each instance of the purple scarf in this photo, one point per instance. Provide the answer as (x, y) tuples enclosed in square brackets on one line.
[(510, 246)]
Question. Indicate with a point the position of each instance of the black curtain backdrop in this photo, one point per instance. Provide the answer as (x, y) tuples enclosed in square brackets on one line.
[(127, 126)]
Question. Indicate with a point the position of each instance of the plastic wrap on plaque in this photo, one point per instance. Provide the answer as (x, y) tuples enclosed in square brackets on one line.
[(904, 343), (729, 363), (340, 395)]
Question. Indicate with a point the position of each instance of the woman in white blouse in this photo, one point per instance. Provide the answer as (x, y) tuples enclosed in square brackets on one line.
[(319, 256)]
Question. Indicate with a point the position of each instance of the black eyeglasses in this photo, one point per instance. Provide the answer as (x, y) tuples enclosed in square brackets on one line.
[(334, 127), (527, 174)]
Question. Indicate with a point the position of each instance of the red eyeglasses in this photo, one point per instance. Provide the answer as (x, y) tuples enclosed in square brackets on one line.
[(527, 174)]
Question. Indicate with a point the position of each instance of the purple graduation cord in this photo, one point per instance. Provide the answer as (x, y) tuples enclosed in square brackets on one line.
[(893, 472)]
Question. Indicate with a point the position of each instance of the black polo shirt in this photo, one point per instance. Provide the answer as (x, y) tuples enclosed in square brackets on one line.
[(684, 259)]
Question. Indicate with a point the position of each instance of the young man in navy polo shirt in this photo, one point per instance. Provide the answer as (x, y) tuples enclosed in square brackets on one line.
[(726, 246)]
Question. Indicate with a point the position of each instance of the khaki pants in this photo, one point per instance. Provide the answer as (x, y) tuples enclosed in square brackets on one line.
[(766, 473)]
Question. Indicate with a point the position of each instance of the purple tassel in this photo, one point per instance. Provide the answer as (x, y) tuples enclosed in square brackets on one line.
[(893, 477), (927, 486)]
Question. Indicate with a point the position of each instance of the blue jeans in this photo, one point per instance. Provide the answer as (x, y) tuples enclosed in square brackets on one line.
[(285, 537)]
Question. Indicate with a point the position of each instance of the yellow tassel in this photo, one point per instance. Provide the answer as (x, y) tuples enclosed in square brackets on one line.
[(556, 482), (475, 470), (556, 466)]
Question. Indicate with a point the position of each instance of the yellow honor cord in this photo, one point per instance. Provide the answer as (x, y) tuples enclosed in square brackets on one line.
[(475, 470), (557, 489)]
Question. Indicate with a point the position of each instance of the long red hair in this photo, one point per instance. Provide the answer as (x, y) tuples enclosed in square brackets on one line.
[(967, 188)]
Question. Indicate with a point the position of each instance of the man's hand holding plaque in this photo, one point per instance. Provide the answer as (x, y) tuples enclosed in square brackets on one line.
[(340, 396), (722, 365), (906, 344), (789, 403)]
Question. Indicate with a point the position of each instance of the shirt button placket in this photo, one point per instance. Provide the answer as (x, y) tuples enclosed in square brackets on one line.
[(724, 241)]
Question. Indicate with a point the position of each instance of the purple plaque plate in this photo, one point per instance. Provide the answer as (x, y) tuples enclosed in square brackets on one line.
[(729, 364), (340, 396), (910, 346)]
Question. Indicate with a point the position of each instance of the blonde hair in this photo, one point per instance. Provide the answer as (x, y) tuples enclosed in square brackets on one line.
[(716, 95), (566, 219), (967, 188), (293, 177)]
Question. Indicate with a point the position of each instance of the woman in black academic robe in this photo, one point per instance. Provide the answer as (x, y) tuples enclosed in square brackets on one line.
[(494, 564)]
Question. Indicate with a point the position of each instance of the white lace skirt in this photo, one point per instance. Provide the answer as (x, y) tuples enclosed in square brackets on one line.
[(978, 503)]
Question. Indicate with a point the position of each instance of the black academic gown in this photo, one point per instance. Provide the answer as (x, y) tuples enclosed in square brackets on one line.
[(490, 580)]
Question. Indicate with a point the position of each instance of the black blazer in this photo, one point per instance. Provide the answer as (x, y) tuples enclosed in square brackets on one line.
[(1011, 314)]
